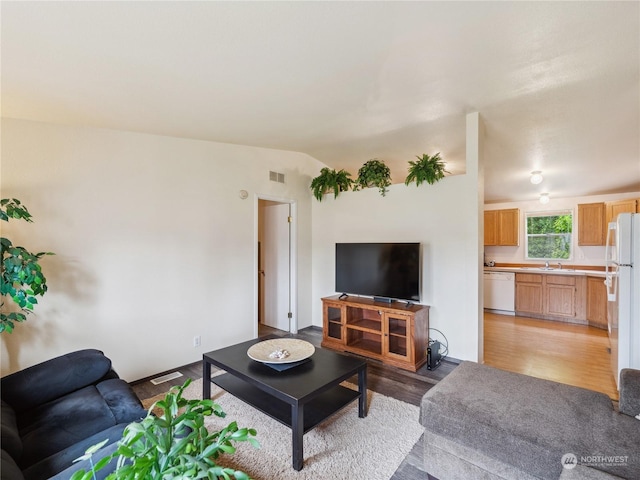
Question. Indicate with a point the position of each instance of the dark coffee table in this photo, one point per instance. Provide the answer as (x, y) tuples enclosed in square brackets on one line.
[(300, 398)]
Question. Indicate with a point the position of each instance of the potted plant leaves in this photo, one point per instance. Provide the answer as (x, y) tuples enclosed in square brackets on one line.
[(172, 443), (374, 173), (331, 180), (428, 169), (22, 277)]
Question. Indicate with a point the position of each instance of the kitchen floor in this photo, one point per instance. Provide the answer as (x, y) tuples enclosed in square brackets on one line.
[(566, 353)]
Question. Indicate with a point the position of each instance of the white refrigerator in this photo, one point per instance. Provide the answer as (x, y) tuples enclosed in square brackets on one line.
[(623, 292)]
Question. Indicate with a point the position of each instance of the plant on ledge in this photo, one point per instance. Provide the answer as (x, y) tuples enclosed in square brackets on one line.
[(428, 169), (374, 173), (22, 277), (173, 443), (331, 180)]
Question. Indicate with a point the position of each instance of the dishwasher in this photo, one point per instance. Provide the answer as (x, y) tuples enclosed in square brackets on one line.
[(499, 292)]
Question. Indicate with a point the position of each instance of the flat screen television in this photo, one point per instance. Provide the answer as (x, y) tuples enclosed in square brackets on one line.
[(385, 271)]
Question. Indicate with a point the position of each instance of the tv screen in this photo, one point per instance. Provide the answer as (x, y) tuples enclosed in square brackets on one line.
[(389, 270)]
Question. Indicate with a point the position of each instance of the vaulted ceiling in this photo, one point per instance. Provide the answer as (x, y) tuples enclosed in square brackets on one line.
[(556, 83)]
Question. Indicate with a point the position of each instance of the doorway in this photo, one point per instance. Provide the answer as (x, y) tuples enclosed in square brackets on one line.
[(275, 255)]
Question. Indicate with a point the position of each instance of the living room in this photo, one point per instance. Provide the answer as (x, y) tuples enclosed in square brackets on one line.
[(150, 202), (175, 194)]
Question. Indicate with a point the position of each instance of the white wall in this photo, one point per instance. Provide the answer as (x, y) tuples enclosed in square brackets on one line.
[(153, 243), (443, 217), (582, 255)]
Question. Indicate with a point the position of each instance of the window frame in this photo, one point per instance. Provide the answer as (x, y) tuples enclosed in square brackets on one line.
[(550, 213)]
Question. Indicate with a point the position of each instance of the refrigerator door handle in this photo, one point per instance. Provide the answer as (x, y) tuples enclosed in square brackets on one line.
[(609, 248), (612, 290), (610, 264)]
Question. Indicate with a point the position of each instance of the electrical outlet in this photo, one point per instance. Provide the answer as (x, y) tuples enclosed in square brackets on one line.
[(196, 341)]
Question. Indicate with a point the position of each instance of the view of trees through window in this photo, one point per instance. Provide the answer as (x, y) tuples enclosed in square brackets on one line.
[(549, 235)]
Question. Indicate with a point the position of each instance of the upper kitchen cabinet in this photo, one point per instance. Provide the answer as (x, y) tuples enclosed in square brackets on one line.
[(592, 227), (621, 206), (501, 227)]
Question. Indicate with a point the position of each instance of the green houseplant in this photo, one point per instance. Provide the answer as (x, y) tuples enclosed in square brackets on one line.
[(374, 173), (428, 169), (331, 180), (173, 443), (22, 277)]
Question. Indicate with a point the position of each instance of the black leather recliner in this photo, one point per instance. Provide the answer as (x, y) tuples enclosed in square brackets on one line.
[(52, 412)]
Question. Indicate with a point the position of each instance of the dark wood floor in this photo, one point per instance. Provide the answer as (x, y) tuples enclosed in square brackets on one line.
[(393, 382)]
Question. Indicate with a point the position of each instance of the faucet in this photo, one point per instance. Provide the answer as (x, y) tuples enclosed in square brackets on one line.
[(559, 266), (546, 265)]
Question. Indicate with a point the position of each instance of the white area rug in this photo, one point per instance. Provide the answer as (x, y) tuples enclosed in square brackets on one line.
[(342, 447)]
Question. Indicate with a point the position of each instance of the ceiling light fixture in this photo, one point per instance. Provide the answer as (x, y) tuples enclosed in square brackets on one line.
[(536, 177), (544, 198)]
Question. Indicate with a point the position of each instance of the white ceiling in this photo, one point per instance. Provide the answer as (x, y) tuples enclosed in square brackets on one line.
[(557, 83)]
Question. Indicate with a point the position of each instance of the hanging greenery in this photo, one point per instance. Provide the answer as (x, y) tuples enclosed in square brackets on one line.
[(331, 180), (428, 169), (374, 173)]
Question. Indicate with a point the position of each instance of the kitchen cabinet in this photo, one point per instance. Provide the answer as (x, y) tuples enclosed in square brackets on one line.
[(490, 227), (620, 206), (501, 227), (396, 334), (528, 293), (592, 226), (560, 296), (597, 302), (551, 296)]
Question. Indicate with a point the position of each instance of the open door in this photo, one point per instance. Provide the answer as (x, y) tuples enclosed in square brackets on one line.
[(274, 269)]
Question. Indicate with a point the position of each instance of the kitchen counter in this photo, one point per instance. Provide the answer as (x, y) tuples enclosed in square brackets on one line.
[(553, 271), (566, 295)]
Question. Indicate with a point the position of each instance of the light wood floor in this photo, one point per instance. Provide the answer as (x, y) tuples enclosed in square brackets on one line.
[(566, 353)]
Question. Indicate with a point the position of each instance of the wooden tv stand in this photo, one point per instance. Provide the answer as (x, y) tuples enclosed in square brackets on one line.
[(393, 333)]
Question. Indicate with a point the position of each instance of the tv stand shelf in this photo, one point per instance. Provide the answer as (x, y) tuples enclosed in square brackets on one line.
[(395, 333), (366, 325)]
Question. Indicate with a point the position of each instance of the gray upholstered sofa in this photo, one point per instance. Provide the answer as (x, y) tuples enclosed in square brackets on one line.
[(485, 423)]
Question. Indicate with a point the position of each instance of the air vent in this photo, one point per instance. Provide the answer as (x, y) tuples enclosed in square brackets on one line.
[(276, 177), (166, 378)]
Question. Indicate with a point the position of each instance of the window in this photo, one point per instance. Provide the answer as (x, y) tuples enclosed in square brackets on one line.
[(549, 235)]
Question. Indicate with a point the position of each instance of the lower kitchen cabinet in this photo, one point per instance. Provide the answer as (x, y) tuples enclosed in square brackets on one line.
[(596, 302), (528, 293), (551, 296)]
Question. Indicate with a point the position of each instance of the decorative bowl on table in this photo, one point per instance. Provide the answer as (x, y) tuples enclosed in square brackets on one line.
[(281, 350)]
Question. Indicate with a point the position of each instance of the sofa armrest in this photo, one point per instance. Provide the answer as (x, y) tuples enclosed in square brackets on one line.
[(53, 378), (122, 400), (630, 392)]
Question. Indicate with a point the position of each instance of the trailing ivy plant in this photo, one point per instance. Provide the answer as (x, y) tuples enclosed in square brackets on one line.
[(374, 173), (331, 180), (428, 169), (22, 277), (173, 443)]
